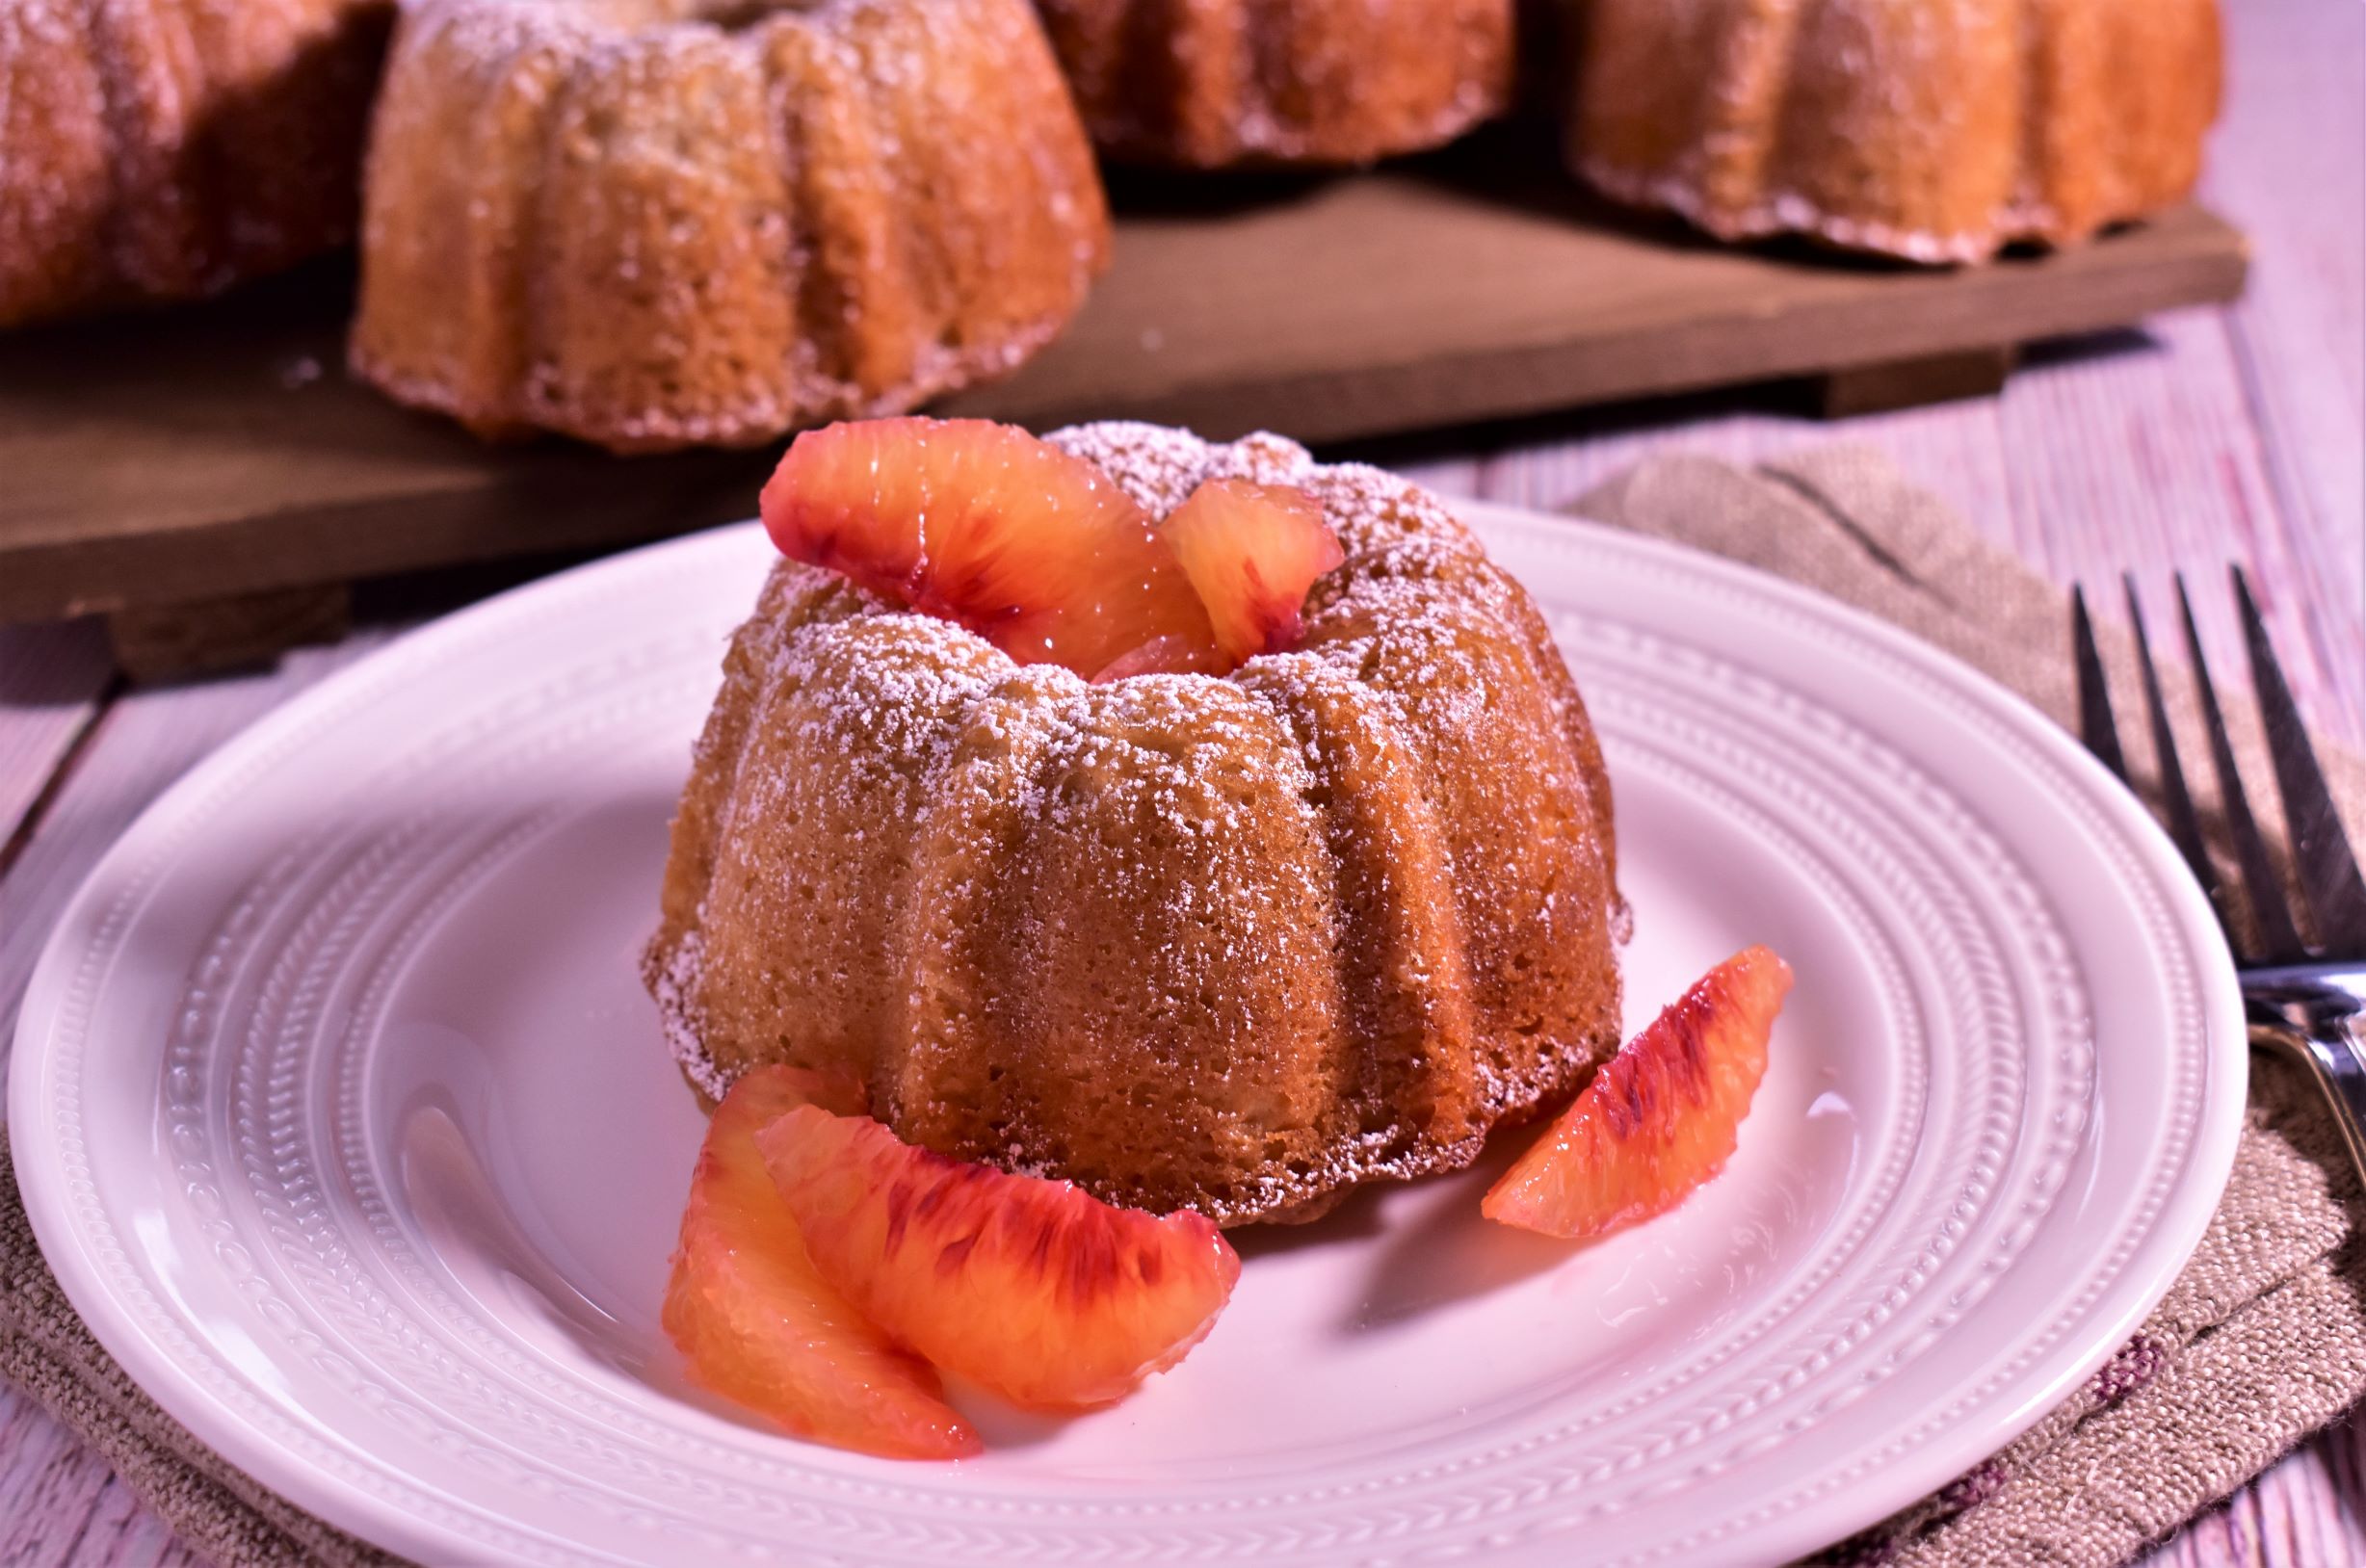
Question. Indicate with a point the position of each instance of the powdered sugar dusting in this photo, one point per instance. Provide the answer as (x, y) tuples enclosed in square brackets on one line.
[(1152, 934), (674, 983), (607, 218), (1937, 133)]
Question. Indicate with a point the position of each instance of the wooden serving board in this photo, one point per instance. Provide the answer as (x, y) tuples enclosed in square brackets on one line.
[(211, 479)]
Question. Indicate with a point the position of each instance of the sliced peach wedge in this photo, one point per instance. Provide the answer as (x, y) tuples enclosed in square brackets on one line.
[(757, 1322), (1660, 1118), (1042, 553), (1032, 1288), (1036, 551), (1253, 551)]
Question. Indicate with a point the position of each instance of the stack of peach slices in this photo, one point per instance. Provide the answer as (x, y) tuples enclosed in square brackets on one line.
[(1042, 555), (828, 1272)]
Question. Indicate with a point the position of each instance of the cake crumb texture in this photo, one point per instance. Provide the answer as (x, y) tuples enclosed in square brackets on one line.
[(655, 224), (154, 150), (1933, 130), (1232, 944), (1218, 83)]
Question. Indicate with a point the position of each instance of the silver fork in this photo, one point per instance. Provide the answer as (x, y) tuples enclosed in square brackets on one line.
[(2305, 998)]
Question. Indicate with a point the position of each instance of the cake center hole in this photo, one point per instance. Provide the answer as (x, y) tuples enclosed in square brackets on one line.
[(739, 15)]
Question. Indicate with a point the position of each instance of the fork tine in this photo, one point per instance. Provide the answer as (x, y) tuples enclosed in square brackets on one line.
[(2279, 942), (2184, 824), (2099, 732), (2321, 853)]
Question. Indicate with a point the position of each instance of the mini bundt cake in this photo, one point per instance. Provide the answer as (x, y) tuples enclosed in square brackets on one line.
[(1226, 943), (166, 150), (655, 224), (1935, 130), (1227, 82)]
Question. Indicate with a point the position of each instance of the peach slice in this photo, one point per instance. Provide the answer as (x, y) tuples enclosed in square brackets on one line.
[(1253, 551), (757, 1322), (1036, 551), (1034, 1288), (1662, 1115)]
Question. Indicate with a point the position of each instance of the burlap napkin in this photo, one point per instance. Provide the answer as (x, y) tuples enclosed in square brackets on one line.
[(2261, 1340)]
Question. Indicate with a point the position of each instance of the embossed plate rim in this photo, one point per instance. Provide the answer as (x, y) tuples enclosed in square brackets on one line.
[(51, 1160)]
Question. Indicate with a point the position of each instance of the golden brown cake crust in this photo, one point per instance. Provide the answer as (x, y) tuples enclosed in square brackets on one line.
[(1282, 81), (1227, 944), (1935, 130), (655, 224), (166, 150)]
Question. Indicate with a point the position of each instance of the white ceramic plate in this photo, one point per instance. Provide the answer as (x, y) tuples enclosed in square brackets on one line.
[(342, 1116)]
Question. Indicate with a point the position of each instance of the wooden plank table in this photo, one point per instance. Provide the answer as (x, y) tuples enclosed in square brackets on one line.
[(212, 481), (2212, 435)]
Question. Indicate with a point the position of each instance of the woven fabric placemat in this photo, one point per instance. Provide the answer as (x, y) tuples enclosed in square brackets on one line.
[(2261, 1340)]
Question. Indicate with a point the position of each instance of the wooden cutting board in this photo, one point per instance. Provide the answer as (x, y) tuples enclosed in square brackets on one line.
[(210, 474)]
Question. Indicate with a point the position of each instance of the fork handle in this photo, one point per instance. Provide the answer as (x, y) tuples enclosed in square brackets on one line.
[(2320, 1017)]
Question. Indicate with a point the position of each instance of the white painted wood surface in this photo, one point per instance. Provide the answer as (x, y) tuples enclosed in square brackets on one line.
[(2212, 435)]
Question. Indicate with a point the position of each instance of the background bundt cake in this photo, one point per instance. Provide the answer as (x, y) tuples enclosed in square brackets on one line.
[(1937, 130), (1282, 81), (661, 222), (164, 150), (1224, 943)]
